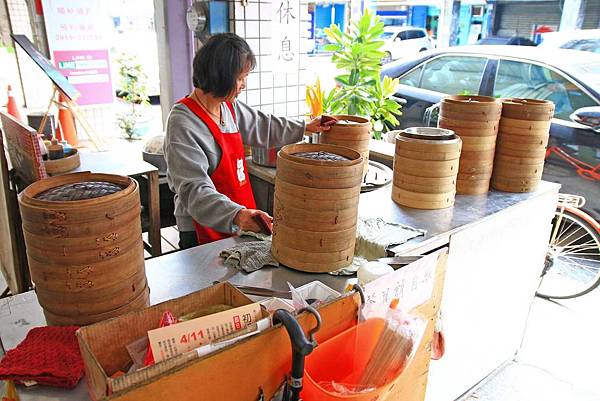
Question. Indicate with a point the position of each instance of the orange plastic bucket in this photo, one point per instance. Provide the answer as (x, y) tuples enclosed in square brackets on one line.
[(342, 359)]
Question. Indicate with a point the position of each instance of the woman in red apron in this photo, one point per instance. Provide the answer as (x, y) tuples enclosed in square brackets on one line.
[(221, 67)]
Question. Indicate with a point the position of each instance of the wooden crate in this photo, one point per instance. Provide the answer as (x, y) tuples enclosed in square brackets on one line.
[(256, 365)]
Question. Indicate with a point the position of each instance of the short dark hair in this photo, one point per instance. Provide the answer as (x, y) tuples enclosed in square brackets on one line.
[(218, 63)]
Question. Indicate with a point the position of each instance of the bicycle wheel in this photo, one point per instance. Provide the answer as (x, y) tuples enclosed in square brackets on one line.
[(573, 259)]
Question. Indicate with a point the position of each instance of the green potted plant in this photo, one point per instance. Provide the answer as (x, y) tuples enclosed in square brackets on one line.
[(360, 90), (134, 92)]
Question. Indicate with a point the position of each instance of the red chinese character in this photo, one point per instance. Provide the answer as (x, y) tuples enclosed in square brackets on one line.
[(61, 10), (63, 27), (70, 11), (80, 11)]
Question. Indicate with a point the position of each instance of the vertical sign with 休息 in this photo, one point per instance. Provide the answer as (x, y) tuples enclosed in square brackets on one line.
[(286, 36)]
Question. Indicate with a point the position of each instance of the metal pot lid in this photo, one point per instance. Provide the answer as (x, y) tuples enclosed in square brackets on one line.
[(429, 133)]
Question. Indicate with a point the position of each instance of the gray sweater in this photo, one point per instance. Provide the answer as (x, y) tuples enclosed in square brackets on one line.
[(192, 155)]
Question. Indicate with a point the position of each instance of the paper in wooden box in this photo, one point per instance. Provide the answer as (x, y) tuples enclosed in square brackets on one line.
[(103, 344)]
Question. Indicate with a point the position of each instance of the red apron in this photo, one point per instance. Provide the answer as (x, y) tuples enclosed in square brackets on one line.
[(230, 178)]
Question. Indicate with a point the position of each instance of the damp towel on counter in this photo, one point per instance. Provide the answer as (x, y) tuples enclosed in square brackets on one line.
[(374, 236), (48, 355), (249, 256)]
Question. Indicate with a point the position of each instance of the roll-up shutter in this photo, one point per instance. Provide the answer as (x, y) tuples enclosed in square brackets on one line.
[(519, 18), (591, 17)]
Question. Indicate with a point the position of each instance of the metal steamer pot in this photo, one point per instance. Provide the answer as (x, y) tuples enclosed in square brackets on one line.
[(265, 157)]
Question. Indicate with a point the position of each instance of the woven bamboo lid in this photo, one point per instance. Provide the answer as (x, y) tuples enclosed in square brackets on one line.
[(79, 191)]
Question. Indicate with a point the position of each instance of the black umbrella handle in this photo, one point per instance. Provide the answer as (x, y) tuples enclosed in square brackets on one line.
[(301, 346)]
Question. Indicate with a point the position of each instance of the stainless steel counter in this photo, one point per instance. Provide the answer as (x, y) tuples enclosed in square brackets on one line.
[(180, 273)]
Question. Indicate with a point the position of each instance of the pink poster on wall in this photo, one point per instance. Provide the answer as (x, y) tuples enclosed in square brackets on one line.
[(89, 72), (76, 36)]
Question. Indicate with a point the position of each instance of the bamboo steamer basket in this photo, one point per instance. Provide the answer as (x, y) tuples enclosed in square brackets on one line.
[(425, 167), (528, 109), (476, 119), (473, 187), (416, 200), (84, 246), (354, 134), (315, 208), (521, 148)]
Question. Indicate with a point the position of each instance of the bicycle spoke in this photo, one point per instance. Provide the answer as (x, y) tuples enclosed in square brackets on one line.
[(586, 246), (586, 259), (564, 228), (582, 266), (578, 238)]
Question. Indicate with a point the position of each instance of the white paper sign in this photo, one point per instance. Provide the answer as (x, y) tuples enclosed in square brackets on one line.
[(411, 284), (286, 35)]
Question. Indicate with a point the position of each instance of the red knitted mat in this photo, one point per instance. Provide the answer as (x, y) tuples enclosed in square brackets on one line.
[(48, 355)]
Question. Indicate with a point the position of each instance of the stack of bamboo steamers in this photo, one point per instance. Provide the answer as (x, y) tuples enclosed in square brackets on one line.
[(84, 246), (475, 119), (521, 146), (425, 168), (315, 206)]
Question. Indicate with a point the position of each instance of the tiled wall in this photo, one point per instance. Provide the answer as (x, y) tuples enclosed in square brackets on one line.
[(272, 92)]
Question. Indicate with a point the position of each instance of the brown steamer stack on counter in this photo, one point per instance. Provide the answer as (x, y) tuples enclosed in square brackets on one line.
[(425, 168), (521, 148), (352, 132), (315, 206), (475, 119), (84, 246)]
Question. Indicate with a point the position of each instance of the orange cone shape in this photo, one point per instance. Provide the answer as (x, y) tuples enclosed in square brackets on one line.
[(12, 107), (66, 125)]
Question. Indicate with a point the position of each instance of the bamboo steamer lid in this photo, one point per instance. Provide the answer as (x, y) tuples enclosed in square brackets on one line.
[(463, 132), (469, 124), (353, 132), (478, 140), (516, 160), (528, 109), (447, 142), (419, 200), (469, 115), (475, 167), (426, 168), (315, 207), (507, 124), (541, 140), (474, 176), (416, 155), (424, 184), (481, 155), (515, 184), (472, 187), (505, 143), (479, 147), (471, 102), (539, 154), (510, 170)]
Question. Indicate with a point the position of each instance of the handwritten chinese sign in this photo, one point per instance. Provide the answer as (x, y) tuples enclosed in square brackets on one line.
[(412, 285), (76, 37), (286, 35)]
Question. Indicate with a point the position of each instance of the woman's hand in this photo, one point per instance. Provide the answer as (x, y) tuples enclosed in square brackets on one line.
[(315, 125), (247, 220)]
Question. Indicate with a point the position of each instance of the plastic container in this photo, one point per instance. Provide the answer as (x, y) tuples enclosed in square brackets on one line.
[(341, 360)]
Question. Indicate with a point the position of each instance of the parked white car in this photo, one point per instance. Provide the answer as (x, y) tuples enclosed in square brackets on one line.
[(401, 41), (583, 39)]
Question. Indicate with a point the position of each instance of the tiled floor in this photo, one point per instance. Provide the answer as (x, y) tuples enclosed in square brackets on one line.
[(558, 360)]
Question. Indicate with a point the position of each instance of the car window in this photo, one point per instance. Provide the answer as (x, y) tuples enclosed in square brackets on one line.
[(589, 45), (454, 74), (416, 34), (403, 35), (412, 78), (532, 81)]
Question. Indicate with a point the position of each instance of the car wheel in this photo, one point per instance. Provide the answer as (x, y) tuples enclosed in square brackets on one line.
[(387, 58)]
